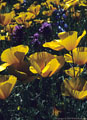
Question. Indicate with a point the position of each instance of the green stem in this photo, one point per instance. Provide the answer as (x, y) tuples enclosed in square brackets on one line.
[(73, 63)]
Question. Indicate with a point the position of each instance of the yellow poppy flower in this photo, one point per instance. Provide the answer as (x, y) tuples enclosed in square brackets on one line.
[(75, 87), (6, 85), (13, 56), (74, 71), (68, 40), (45, 64), (23, 17), (6, 18), (14, 60), (50, 11), (35, 9), (79, 56), (20, 19), (69, 3)]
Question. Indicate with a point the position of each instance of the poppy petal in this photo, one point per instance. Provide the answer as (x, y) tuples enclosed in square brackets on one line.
[(6, 85), (51, 68), (80, 37), (3, 66), (14, 54), (33, 70), (53, 45)]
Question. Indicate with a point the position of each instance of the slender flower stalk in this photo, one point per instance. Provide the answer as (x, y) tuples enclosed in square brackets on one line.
[(73, 63)]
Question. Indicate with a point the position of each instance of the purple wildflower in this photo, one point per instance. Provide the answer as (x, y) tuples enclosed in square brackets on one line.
[(46, 30), (17, 28), (45, 26), (18, 35), (36, 43), (35, 38)]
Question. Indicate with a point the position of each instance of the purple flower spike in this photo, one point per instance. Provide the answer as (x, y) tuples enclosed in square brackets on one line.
[(18, 35), (35, 38), (45, 25), (36, 35), (17, 27), (46, 30)]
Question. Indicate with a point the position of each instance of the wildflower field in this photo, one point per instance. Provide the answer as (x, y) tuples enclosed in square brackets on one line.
[(43, 59)]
